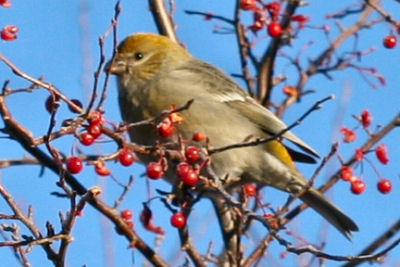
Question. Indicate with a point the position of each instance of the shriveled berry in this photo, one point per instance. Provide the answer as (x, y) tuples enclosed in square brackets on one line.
[(381, 154), (101, 169), (348, 135), (77, 103), (273, 8), (366, 118), (50, 103)]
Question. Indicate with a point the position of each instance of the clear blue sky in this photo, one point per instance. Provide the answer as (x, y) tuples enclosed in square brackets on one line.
[(58, 39)]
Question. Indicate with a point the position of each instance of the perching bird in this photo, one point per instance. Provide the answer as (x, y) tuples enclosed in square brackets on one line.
[(153, 73)]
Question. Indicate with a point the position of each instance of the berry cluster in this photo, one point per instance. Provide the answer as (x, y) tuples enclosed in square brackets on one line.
[(347, 173), (9, 32), (92, 132), (267, 16)]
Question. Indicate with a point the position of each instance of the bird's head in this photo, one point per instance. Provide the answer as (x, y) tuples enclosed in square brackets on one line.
[(142, 56)]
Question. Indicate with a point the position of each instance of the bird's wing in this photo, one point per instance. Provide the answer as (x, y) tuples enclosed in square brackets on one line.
[(241, 102), (267, 121)]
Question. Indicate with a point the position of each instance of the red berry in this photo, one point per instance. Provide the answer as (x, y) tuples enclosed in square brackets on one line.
[(199, 136), (366, 118), (192, 154), (384, 186), (77, 103), (126, 214), (155, 170), (5, 3), (8, 33), (346, 173), (268, 215), (96, 117), (359, 154), (126, 157), (390, 41), (95, 129), (250, 190), (74, 165), (274, 29), (178, 220), (86, 139), (381, 154), (79, 213), (357, 186), (166, 128), (182, 168), (190, 178), (11, 28), (247, 4)]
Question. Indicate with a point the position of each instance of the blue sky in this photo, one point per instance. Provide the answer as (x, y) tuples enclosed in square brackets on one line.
[(59, 40)]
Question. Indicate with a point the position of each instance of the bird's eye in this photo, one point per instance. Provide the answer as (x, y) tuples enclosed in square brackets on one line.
[(138, 56)]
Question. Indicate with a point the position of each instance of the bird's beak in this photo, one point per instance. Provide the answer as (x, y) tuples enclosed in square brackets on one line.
[(114, 67)]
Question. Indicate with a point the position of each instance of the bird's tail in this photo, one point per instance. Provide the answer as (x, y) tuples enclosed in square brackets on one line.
[(329, 211)]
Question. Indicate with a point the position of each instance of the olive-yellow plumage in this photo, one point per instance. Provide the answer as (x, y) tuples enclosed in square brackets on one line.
[(154, 73)]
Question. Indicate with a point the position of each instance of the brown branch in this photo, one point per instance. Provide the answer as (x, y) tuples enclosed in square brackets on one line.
[(163, 19), (378, 242), (266, 68), (209, 15), (335, 177), (325, 55), (27, 221), (14, 130), (117, 11), (244, 50), (40, 241), (318, 253), (40, 83)]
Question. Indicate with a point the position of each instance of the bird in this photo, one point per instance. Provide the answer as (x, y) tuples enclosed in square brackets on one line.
[(154, 73)]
